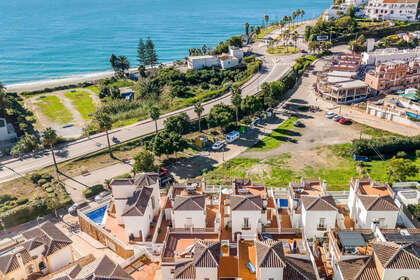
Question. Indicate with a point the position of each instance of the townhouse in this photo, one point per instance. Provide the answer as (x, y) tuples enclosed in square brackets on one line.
[(392, 9), (44, 249), (136, 201), (224, 61), (372, 203)]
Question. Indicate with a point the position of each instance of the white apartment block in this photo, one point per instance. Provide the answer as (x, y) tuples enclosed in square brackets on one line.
[(381, 56), (392, 9)]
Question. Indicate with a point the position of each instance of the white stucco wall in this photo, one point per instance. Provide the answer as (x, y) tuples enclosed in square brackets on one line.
[(202, 273), (266, 273), (198, 218), (310, 221), (135, 224), (365, 218), (60, 259), (238, 220), (166, 272), (395, 274)]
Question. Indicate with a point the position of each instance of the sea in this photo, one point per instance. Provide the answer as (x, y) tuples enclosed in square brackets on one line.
[(50, 39)]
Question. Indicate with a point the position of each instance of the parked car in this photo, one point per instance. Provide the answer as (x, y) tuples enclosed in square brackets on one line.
[(330, 115), (232, 136), (102, 195), (163, 172), (344, 121), (78, 205), (337, 118), (298, 124), (218, 145)]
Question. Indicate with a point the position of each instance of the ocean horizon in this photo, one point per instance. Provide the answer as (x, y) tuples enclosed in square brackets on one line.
[(53, 39)]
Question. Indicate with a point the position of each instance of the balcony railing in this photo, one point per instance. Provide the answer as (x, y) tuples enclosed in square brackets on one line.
[(246, 227), (321, 228)]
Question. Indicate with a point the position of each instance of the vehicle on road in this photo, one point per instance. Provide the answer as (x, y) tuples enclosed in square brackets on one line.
[(344, 121), (337, 118), (232, 136), (298, 124), (67, 125), (218, 145), (102, 195), (78, 205), (330, 115)]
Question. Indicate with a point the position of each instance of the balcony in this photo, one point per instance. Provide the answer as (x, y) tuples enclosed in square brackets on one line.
[(245, 227), (321, 228)]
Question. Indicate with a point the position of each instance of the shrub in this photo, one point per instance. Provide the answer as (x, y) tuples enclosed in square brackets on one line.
[(385, 145), (49, 190), (46, 186), (92, 191), (42, 182), (401, 154), (6, 197), (47, 177), (21, 201), (35, 178), (417, 153)]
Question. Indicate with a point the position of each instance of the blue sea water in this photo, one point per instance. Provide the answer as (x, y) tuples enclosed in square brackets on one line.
[(44, 39)]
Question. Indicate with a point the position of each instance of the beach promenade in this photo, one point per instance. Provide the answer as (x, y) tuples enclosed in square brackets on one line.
[(273, 68)]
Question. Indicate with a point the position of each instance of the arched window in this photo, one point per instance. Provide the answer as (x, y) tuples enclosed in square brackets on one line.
[(403, 278)]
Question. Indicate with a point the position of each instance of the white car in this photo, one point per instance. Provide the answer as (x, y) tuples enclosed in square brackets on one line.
[(102, 195), (218, 145), (330, 115), (78, 205)]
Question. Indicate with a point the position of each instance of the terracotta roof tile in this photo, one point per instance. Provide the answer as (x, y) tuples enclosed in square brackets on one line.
[(378, 203), (206, 254), (246, 203), (137, 204), (394, 256), (270, 253), (319, 203)]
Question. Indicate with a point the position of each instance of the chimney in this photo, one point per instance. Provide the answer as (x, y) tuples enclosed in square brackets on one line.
[(374, 225), (324, 186), (203, 183)]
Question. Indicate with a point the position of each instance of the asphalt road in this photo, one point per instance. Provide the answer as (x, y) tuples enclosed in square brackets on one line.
[(274, 67)]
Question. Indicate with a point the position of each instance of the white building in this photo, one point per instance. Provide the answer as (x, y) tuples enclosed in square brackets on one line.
[(392, 9), (137, 202), (202, 61), (247, 216), (228, 61), (273, 264), (45, 249), (189, 212), (7, 131), (319, 214), (236, 52), (381, 56), (371, 202)]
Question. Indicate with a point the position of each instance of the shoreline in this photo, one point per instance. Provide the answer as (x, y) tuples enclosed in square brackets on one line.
[(67, 81)]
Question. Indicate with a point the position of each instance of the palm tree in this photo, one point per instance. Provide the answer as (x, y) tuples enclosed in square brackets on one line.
[(49, 138), (236, 100), (114, 62), (302, 13), (246, 25), (142, 71), (105, 124), (3, 100), (154, 114), (123, 64), (295, 36), (198, 109)]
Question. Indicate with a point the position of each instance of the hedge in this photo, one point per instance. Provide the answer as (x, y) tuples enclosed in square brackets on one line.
[(92, 191), (386, 146)]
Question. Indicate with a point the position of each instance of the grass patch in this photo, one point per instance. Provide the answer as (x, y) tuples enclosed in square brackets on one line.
[(83, 103), (279, 135), (264, 32), (282, 50), (373, 132), (95, 89), (53, 109)]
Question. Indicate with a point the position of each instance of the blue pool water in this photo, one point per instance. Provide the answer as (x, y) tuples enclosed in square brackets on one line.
[(97, 215), (282, 202), (44, 39)]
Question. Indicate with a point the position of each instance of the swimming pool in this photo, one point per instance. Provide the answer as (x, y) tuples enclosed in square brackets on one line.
[(97, 215), (282, 202)]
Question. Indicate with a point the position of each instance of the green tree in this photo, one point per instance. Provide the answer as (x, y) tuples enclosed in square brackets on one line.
[(144, 161), (236, 100), (179, 123), (26, 144), (350, 11), (266, 18), (154, 114), (49, 138), (198, 109), (399, 169), (123, 65), (246, 25), (251, 105), (295, 36), (105, 124), (142, 71), (204, 49), (167, 143), (3, 100), (151, 55), (221, 115), (141, 53), (114, 62)]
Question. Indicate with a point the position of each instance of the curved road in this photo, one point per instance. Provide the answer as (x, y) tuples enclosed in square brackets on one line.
[(274, 67)]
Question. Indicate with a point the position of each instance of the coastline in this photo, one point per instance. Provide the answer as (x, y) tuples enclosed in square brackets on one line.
[(67, 81)]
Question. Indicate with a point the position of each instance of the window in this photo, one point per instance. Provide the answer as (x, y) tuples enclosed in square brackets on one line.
[(403, 278), (246, 222), (153, 204), (321, 224), (188, 222)]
